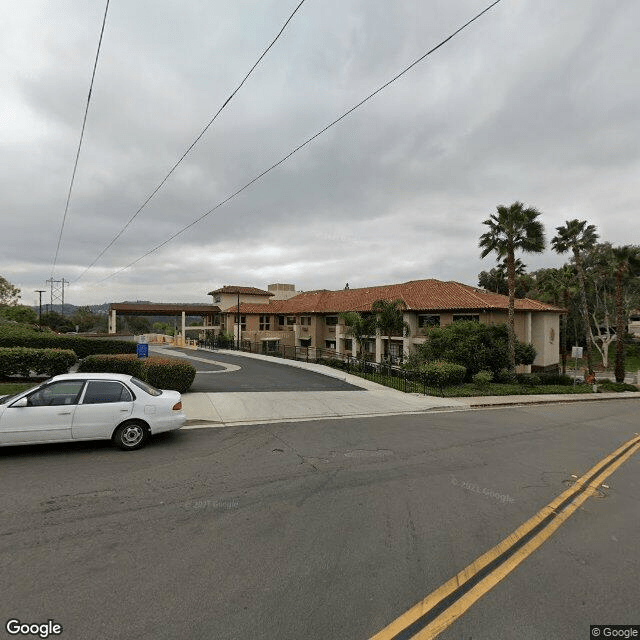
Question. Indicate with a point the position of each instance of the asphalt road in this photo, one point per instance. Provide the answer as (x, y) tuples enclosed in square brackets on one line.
[(258, 375), (320, 530)]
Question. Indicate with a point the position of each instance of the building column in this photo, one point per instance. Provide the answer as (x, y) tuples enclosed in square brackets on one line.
[(339, 339), (379, 351), (412, 320), (112, 321), (354, 348)]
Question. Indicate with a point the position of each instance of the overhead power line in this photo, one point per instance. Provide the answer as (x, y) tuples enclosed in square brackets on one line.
[(84, 122), (304, 144), (192, 145)]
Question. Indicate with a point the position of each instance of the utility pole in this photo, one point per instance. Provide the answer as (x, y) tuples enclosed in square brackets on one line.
[(57, 292), (40, 291)]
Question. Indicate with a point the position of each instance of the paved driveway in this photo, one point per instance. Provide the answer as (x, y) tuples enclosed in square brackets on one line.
[(256, 375)]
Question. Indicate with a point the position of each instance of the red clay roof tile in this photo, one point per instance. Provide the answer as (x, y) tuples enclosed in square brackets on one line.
[(417, 295)]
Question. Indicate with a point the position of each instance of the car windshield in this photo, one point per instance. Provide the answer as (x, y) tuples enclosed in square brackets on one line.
[(13, 396), (147, 388)]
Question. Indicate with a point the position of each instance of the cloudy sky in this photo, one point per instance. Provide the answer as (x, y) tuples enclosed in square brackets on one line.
[(537, 101)]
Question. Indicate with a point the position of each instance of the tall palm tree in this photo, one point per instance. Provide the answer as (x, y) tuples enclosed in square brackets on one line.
[(390, 319), (513, 228), (577, 236), (627, 265)]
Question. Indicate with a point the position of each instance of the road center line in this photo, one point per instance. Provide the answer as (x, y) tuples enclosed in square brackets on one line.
[(440, 609)]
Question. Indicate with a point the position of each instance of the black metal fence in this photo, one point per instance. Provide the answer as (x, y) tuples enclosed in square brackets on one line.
[(385, 373)]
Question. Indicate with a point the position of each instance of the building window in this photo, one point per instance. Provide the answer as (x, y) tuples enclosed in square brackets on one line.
[(243, 321), (330, 344), (331, 321), (428, 320), (265, 323), (281, 320), (348, 344), (462, 317), (305, 320), (291, 320)]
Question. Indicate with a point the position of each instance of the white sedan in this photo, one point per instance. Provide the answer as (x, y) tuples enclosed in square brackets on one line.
[(89, 406)]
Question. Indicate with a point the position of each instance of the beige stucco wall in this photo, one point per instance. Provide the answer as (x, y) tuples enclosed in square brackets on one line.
[(545, 336)]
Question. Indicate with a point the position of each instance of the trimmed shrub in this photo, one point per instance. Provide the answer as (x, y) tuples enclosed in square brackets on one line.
[(22, 361), (504, 376), (555, 379), (528, 379), (442, 374), (607, 385), (482, 379), (121, 363), (164, 373), (24, 336)]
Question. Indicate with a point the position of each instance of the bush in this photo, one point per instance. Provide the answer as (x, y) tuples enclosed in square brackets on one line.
[(442, 374), (164, 373), (607, 385), (22, 361), (482, 379), (504, 376), (476, 346), (528, 379), (555, 379), (24, 336)]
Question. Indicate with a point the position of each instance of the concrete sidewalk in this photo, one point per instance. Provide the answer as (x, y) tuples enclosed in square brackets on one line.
[(243, 408)]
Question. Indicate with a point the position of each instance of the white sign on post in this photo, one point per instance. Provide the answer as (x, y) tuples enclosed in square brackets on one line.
[(576, 352)]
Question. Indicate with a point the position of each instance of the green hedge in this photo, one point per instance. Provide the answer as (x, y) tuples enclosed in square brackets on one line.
[(23, 336), (164, 373), (442, 374), (22, 361)]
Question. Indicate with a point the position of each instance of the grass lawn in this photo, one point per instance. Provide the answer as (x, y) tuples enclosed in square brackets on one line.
[(632, 361), (9, 388)]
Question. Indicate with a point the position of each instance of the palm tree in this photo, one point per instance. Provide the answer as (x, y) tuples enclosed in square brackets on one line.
[(627, 264), (359, 327), (389, 319), (577, 236), (513, 228)]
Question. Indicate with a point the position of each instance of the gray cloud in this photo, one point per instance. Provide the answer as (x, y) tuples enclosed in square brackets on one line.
[(536, 102)]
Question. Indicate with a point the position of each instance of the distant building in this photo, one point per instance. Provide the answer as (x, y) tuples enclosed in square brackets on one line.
[(312, 318)]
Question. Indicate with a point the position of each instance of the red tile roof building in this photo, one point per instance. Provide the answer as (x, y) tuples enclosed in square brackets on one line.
[(312, 318)]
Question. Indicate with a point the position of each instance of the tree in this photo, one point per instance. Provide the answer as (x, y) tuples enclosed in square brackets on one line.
[(359, 327), (19, 313), (577, 236), (627, 265), (513, 228), (474, 345), (496, 279), (9, 295), (390, 319)]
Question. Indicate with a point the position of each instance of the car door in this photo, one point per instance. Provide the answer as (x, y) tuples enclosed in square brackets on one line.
[(103, 406), (43, 416)]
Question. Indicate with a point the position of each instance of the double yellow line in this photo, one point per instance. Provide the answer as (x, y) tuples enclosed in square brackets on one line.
[(440, 609)]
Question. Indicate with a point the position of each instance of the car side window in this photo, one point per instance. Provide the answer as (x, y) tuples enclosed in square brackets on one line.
[(104, 391), (56, 394)]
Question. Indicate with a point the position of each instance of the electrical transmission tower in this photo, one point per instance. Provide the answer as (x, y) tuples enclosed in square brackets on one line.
[(57, 292)]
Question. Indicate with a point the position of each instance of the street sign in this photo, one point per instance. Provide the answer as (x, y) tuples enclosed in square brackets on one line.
[(142, 350), (576, 352)]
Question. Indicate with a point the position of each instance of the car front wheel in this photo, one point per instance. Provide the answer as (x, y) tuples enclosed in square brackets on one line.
[(130, 435)]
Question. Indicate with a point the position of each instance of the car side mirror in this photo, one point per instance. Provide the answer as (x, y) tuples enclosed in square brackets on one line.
[(20, 403)]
